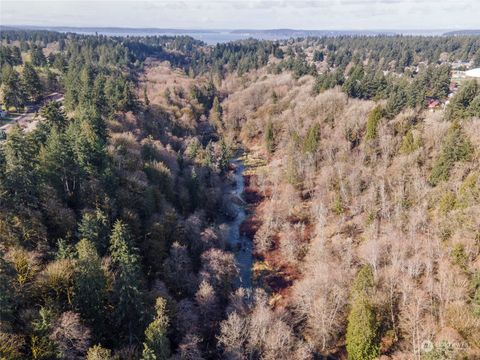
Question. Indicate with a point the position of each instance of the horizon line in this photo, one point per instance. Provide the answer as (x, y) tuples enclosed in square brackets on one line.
[(233, 29)]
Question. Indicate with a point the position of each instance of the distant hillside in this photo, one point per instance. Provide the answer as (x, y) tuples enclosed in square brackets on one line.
[(462, 32), (112, 30), (304, 33)]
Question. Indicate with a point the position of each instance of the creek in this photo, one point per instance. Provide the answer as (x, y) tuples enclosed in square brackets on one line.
[(240, 243)]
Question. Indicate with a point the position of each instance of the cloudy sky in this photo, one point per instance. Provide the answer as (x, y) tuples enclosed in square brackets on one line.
[(256, 14)]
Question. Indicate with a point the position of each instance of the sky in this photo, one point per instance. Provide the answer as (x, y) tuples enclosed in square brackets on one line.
[(246, 14)]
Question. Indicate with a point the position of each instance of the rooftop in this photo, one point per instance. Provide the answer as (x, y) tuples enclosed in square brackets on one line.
[(473, 73)]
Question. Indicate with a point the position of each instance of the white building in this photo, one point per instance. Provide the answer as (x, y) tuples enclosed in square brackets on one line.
[(474, 73)]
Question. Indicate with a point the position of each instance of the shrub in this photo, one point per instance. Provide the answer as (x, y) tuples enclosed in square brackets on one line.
[(98, 352), (459, 257), (337, 205), (447, 202), (11, 346), (56, 280)]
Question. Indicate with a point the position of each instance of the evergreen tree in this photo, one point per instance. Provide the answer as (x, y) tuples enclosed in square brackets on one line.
[(37, 56), (476, 59), (94, 227), (157, 345), (7, 294), (362, 331), (127, 293), (52, 81), (396, 101), (16, 56), (58, 165), (459, 105), (193, 186), (353, 85), (145, 97), (55, 116), (225, 156), (474, 107), (90, 284), (20, 178), (372, 122), (72, 87), (456, 147), (86, 92), (129, 100), (13, 93), (31, 81), (216, 114), (100, 101), (269, 137), (408, 143), (311, 140), (89, 148), (318, 56)]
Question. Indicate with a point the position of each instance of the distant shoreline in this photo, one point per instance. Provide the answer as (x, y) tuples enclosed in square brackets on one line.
[(214, 36)]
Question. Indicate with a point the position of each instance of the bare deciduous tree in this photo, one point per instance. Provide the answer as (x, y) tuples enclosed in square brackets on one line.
[(71, 337)]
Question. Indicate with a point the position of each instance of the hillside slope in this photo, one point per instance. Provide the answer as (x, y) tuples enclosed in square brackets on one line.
[(345, 189)]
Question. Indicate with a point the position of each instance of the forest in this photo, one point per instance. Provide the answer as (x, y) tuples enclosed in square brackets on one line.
[(361, 187)]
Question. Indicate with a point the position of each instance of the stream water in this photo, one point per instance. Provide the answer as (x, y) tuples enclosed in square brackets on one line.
[(240, 243)]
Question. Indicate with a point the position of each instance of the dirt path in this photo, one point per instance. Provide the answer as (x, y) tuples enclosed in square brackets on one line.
[(29, 120)]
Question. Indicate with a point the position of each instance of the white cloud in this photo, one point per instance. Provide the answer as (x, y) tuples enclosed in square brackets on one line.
[(300, 14)]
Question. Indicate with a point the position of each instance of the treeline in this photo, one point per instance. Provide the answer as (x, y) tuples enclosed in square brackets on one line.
[(8, 35), (392, 53), (396, 52), (130, 50)]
